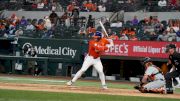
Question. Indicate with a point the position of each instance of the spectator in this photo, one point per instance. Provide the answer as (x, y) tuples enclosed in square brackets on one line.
[(161, 29), (178, 36), (135, 21), (75, 15), (117, 24), (82, 32), (40, 26), (173, 4), (106, 23), (173, 24), (84, 8), (89, 5), (34, 6), (90, 22), (162, 4), (152, 36), (40, 5), (94, 7), (71, 7), (54, 6), (124, 37), (47, 34), (130, 5), (109, 32), (90, 31), (149, 5), (65, 19), (171, 35), (47, 23), (11, 30), (101, 8), (124, 31), (30, 27), (2, 29), (46, 6), (19, 32), (14, 19), (53, 18), (133, 38), (23, 21), (163, 36), (113, 36), (131, 32), (176, 26), (103, 1)]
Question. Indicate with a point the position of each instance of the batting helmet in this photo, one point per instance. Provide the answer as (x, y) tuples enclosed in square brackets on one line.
[(178, 33), (146, 60), (170, 46), (99, 34)]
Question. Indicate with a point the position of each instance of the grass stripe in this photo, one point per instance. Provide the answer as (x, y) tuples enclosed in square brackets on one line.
[(13, 95)]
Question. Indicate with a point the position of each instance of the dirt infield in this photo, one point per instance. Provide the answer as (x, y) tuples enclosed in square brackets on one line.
[(85, 90)]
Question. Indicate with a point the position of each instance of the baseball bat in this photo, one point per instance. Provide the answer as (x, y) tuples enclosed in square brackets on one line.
[(105, 32)]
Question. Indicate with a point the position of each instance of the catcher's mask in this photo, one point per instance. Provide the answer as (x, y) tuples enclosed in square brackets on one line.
[(170, 46), (146, 60)]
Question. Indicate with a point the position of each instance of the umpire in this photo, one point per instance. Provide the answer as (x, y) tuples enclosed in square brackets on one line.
[(174, 60)]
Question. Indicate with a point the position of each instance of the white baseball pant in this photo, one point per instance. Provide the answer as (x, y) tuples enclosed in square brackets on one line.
[(154, 84), (96, 63)]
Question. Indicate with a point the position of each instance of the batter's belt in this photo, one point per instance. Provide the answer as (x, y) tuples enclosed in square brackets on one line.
[(92, 56)]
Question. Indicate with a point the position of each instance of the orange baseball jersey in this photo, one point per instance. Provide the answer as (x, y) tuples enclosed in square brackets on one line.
[(96, 48), (104, 41)]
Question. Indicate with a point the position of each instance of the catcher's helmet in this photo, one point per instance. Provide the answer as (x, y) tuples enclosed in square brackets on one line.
[(146, 60), (170, 46)]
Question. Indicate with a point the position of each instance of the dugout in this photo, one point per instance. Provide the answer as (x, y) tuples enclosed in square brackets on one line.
[(124, 68), (54, 57), (6, 48)]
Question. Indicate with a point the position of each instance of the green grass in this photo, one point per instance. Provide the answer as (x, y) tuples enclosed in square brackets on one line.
[(15, 95), (62, 82)]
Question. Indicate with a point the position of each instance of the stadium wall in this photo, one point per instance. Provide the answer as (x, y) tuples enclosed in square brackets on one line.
[(127, 15), (42, 14), (160, 15), (58, 55)]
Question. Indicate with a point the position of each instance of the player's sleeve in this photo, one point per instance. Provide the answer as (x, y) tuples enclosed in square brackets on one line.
[(111, 43), (149, 71), (177, 62), (104, 41)]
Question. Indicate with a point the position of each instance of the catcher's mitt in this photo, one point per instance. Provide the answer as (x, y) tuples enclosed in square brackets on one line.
[(140, 87), (137, 86)]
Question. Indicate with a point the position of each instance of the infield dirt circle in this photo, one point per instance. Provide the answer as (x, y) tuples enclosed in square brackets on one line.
[(80, 89)]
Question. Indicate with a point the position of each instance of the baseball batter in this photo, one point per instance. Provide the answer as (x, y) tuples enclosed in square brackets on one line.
[(96, 46), (157, 81)]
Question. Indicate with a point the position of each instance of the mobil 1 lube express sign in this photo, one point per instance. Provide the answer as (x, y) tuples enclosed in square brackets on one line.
[(53, 48)]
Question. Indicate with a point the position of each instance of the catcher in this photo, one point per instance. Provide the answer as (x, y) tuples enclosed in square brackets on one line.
[(153, 81)]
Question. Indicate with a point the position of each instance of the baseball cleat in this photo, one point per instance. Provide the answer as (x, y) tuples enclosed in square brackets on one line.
[(169, 91), (163, 92), (177, 86), (69, 83), (104, 87)]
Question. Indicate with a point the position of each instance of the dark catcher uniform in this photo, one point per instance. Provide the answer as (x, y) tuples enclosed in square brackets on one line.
[(175, 61)]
